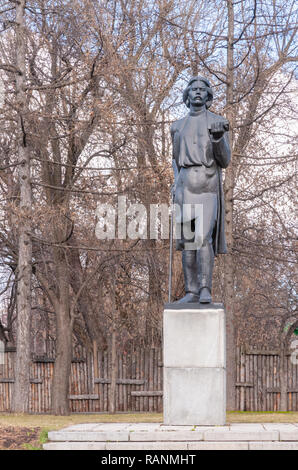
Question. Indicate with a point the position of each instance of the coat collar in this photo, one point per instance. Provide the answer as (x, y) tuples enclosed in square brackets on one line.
[(211, 117)]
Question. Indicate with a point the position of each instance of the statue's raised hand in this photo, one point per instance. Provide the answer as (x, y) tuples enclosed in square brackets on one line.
[(218, 129)]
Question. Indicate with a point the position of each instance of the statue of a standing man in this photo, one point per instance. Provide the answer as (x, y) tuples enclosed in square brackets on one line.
[(200, 150)]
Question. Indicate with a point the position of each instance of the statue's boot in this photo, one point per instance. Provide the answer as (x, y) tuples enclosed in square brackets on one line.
[(205, 262), (205, 296), (189, 265), (188, 298)]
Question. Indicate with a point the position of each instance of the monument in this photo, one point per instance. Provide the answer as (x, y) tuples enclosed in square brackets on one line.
[(194, 327)]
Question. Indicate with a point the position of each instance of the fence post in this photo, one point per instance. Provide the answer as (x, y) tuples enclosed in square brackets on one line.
[(112, 398), (283, 380)]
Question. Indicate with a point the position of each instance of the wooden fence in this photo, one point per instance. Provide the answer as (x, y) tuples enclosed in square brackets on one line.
[(139, 378), (258, 382), (139, 384)]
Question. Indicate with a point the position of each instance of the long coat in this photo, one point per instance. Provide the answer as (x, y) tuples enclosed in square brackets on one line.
[(218, 152)]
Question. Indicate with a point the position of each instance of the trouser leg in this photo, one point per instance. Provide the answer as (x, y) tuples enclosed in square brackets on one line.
[(198, 262), (205, 254), (190, 271), (205, 263)]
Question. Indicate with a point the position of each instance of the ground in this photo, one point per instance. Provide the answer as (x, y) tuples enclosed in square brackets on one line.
[(21, 432), (19, 438)]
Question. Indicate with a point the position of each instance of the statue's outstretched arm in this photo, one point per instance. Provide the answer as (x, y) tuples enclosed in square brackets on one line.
[(220, 143)]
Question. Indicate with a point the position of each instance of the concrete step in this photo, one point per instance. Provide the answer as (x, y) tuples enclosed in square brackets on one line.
[(203, 445), (155, 436)]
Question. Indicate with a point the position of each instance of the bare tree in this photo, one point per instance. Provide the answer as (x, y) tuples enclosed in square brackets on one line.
[(24, 269)]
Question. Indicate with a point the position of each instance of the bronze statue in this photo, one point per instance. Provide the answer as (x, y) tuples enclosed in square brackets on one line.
[(200, 151)]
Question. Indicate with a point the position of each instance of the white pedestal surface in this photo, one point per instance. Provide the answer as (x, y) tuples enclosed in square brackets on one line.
[(194, 350)]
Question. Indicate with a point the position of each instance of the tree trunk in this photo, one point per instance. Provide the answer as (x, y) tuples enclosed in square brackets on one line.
[(24, 272), (228, 190), (62, 367), (95, 368)]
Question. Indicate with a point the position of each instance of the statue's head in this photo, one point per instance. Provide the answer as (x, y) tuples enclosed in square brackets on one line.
[(206, 83)]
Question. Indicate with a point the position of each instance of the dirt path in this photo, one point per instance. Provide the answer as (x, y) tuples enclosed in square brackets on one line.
[(18, 438)]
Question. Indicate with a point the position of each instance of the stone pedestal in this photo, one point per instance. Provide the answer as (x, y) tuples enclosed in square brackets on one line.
[(194, 364)]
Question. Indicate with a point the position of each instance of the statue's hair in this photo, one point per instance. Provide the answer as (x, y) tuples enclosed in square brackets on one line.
[(208, 88)]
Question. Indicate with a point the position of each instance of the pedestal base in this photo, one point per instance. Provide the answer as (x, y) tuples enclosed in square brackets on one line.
[(194, 365)]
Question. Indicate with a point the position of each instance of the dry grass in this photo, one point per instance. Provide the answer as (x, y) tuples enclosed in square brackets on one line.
[(51, 422), (262, 417)]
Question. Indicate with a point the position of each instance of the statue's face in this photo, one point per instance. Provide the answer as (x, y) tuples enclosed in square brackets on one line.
[(198, 94)]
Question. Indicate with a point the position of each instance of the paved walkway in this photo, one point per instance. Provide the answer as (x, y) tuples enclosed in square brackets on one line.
[(154, 436)]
